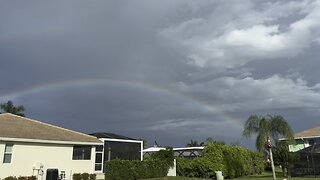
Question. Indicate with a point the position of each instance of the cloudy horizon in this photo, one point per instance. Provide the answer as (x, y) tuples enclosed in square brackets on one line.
[(166, 71)]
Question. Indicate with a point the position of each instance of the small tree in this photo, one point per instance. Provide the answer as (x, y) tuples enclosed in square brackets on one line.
[(8, 107), (283, 157)]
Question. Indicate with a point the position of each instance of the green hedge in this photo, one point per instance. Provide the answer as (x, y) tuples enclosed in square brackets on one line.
[(20, 178), (233, 161), (157, 165), (131, 170), (83, 176)]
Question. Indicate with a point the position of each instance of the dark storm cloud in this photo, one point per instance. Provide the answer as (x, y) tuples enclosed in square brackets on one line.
[(160, 70)]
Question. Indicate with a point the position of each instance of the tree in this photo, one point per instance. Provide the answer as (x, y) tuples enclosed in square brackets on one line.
[(195, 143), (213, 141), (283, 157), (267, 128), (10, 108)]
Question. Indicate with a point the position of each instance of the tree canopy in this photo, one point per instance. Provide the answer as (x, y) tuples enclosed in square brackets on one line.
[(266, 127), (8, 107)]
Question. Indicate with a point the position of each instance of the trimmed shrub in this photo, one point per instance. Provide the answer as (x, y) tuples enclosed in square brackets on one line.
[(233, 161), (85, 176), (11, 178), (20, 178), (131, 170), (76, 176), (92, 176)]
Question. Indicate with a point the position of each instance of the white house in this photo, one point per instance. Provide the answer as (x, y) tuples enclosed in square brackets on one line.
[(29, 147)]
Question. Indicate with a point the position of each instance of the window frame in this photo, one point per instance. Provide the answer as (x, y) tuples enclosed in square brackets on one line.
[(6, 153), (84, 156)]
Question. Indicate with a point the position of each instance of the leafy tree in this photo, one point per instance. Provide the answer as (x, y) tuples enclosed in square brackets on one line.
[(195, 143), (283, 157), (267, 128), (213, 141), (8, 107)]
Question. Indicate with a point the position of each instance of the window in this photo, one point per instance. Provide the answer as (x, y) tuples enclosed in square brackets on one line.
[(99, 154), (81, 153), (8, 153)]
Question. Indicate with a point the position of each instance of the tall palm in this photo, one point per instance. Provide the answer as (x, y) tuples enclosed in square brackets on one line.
[(267, 128), (10, 108)]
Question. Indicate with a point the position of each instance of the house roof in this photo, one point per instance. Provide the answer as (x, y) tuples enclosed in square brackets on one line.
[(309, 133), (19, 128), (110, 135)]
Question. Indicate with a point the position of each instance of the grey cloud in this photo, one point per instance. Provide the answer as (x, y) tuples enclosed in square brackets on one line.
[(201, 69)]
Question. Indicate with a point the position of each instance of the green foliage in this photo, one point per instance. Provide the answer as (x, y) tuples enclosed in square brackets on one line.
[(8, 107), (258, 162), (233, 161), (214, 152), (132, 170), (283, 157), (20, 178), (266, 127), (92, 176), (11, 178), (76, 176), (85, 176), (166, 155)]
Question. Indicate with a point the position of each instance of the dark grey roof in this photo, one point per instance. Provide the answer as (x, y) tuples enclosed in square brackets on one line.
[(110, 135)]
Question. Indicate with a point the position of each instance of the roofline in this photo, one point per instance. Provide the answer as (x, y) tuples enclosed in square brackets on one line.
[(301, 137), (120, 140), (49, 141), (189, 148), (51, 125)]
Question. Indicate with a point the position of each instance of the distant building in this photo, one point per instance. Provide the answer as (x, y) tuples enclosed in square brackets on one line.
[(29, 147)]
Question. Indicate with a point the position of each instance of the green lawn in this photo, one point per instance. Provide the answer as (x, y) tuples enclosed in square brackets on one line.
[(264, 176)]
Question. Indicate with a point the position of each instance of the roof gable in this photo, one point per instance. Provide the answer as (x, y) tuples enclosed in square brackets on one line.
[(13, 126), (313, 132)]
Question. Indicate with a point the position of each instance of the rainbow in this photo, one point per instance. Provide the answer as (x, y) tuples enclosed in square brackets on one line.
[(236, 123)]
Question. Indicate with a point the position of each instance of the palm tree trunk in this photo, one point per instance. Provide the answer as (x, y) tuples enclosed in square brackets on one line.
[(272, 164), (269, 144)]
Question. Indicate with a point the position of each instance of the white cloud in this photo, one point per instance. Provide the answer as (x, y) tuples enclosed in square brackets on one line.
[(247, 33), (230, 94)]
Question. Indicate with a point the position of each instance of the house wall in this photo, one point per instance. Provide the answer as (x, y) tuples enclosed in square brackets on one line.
[(27, 156)]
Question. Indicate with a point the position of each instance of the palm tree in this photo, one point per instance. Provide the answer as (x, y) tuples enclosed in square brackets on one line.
[(267, 127), (195, 143), (10, 108)]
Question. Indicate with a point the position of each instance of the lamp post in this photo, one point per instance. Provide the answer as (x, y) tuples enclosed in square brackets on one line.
[(269, 145)]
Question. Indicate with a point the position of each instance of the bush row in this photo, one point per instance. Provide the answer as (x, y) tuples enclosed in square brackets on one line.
[(233, 161), (131, 170), (157, 165), (83, 176), (20, 178)]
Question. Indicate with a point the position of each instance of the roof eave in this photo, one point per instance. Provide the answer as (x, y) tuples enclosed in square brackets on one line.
[(49, 141)]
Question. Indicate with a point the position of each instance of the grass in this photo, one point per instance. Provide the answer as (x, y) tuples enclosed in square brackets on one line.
[(264, 176)]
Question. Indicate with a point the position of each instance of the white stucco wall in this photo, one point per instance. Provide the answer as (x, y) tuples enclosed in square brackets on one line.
[(27, 155)]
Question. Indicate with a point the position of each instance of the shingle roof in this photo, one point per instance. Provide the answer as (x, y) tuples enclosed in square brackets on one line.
[(313, 132), (110, 135), (13, 126)]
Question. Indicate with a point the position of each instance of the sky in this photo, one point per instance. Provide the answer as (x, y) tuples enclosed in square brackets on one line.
[(166, 71)]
